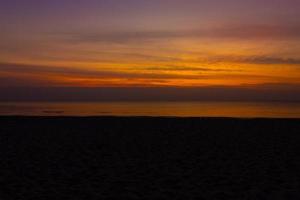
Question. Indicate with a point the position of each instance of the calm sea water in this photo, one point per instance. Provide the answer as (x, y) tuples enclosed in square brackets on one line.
[(181, 109)]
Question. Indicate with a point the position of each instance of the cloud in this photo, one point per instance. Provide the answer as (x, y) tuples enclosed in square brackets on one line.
[(123, 36), (258, 32), (280, 92), (270, 60), (17, 74), (188, 68), (225, 32), (256, 59), (86, 73), (22, 81)]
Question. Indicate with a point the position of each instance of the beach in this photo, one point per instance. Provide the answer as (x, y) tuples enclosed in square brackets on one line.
[(149, 158)]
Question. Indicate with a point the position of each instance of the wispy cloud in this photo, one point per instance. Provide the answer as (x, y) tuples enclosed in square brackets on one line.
[(256, 59), (47, 75), (270, 60), (225, 32), (87, 73), (188, 68), (14, 74)]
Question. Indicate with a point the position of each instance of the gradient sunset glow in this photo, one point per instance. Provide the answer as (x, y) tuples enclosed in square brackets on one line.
[(161, 43)]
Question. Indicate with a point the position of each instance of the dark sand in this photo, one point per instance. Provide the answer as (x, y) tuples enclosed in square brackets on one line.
[(149, 158)]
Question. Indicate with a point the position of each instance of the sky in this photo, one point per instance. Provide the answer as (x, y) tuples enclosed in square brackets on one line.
[(157, 43)]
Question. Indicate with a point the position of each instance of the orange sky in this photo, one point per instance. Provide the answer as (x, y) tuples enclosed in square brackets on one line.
[(150, 44)]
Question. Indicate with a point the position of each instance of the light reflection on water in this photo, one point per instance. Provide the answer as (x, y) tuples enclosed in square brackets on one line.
[(180, 109)]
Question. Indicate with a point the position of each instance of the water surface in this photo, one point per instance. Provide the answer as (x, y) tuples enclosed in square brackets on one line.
[(180, 109)]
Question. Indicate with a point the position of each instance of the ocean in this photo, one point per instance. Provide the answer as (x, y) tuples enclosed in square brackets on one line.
[(172, 109)]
